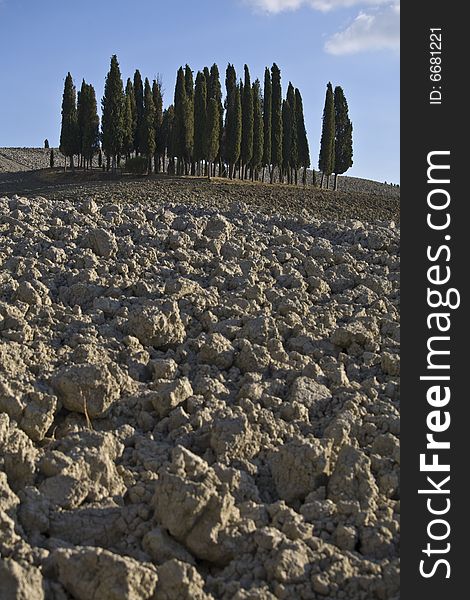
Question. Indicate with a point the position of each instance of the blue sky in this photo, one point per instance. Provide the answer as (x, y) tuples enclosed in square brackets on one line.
[(352, 43)]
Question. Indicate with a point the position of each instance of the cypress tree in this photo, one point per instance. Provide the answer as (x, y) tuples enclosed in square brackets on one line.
[(247, 122), (69, 142), (149, 124), (233, 121), (200, 117), (258, 130), (157, 94), (276, 131), (189, 116), (180, 104), (132, 126), (286, 140), (81, 118), (267, 119), (128, 136), (139, 111), (112, 104), (214, 90), (343, 136), (168, 137), (302, 141), (51, 158), (326, 161), (294, 149), (46, 143), (91, 124), (207, 76), (212, 133)]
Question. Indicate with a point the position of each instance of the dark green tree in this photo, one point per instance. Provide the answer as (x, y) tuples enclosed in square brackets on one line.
[(258, 130), (157, 93), (51, 158), (200, 118), (276, 127), (343, 137), (81, 118), (207, 76), (286, 140), (180, 120), (247, 123), (302, 141), (267, 119), (189, 84), (149, 125), (131, 123), (233, 120), (326, 161), (46, 143), (212, 133), (69, 141), (168, 137), (214, 90), (139, 111), (112, 106), (128, 136), (293, 165), (90, 134)]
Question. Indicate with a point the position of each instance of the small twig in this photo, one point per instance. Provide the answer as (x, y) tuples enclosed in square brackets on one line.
[(87, 417)]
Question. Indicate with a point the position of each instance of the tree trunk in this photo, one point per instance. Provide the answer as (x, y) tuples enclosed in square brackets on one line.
[(327, 182), (321, 180), (271, 174), (335, 187)]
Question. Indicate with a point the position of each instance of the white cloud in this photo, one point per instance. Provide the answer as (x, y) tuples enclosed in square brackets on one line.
[(276, 6), (376, 27), (374, 30)]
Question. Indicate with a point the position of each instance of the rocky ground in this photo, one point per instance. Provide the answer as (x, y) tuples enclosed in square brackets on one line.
[(198, 395)]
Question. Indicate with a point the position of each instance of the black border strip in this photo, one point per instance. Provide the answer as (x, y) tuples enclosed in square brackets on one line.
[(425, 128)]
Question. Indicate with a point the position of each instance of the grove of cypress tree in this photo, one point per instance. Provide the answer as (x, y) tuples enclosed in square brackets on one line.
[(258, 130), (214, 90), (302, 141), (247, 122), (326, 161), (139, 111), (200, 117), (69, 141), (267, 119), (212, 133), (231, 152), (149, 125), (112, 104), (276, 131), (189, 116), (294, 149), (157, 94), (343, 135)]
